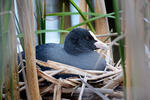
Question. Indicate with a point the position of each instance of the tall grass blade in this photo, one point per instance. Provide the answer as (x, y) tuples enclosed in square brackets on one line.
[(80, 12), (121, 42), (19, 31), (90, 6), (43, 20), (62, 22), (5, 10), (40, 18), (76, 13), (89, 20)]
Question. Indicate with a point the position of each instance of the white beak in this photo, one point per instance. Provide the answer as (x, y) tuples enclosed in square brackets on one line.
[(101, 45)]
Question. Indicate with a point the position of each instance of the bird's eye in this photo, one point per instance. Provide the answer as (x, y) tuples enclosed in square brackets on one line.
[(87, 38)]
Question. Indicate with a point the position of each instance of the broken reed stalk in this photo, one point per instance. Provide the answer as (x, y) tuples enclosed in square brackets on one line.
[(94, 90), (50, 89), (57, 92), (68, 69), (115, 82), (49, 78), (107, 34), (82, 88), (26, 19)]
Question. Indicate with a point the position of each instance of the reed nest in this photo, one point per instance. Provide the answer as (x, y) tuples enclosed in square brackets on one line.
[(85, 85)]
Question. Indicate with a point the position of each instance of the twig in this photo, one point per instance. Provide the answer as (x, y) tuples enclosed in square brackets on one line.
[(56, 72), (57, 92), (41, 79), (21, 83), (49, 89), (51, 79), (22, 88), (112, 67), (74, 79), (67, 69), (116, 39), (105, 75), (118, 63), (94, 90), (115, 82), (96, 71), (117, 95), (82, 88), (108, 34), (23, 72), (68, 82), (146, 20)]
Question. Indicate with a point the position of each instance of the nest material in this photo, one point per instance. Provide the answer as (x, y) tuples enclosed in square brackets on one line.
[(87, 85)]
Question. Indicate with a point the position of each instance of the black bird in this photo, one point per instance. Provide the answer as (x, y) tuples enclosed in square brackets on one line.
[(78, 50)]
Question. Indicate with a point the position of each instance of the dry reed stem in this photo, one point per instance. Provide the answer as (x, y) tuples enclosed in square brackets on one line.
[(21, 83), (118, 63), (41, 79), (52, 79), (109, 66), (107, 35), (83, 6), (50, 89), (96, 71), (102, 23), (111, 77), (75, 80), (26, 20), (114, 82), (82, 88), (52, 73), (94, 90), (68, 82), (57, 92), (67, 69), (105, 75), (22, 88), (117, 95), (77, 71)]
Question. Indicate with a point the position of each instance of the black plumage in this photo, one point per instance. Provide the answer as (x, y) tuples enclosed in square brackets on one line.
[(78, 50)]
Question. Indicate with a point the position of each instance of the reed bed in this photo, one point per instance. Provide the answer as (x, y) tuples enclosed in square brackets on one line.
[(87, 84)]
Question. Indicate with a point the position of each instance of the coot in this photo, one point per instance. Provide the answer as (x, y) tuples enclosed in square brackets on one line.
[(78, 50)]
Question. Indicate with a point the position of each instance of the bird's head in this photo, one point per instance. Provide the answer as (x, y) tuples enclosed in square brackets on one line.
[(82, 40)]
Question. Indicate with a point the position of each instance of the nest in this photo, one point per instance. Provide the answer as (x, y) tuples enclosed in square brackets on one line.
[(85, 85)]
